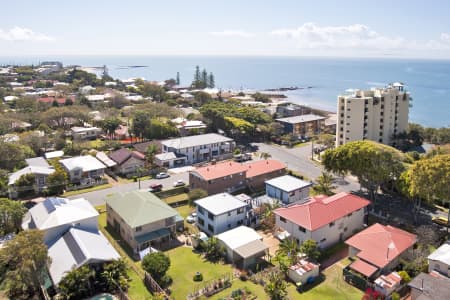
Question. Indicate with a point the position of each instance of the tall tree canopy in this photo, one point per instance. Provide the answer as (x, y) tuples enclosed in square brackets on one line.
[(11, 215)]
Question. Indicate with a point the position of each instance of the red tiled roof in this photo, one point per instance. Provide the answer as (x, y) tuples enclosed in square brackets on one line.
[(363, 268), (261, 167), (322, 210), (379, 244), (51, 99), (220, 170)]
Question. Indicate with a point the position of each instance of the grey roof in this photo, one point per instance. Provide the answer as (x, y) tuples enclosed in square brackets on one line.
[(76, 248), (86, 163), (138, 208), (101, 156), (53, 212), (166, 156), (253, 248), (441, 254), (288, 183), (37, 162), (219, 204), (29, 170), (431, 287), (301, 119), (195, 140)]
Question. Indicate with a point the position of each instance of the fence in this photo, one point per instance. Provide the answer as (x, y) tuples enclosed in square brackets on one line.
[(211, 287), (153, 286), (355, 280), (85, 186)]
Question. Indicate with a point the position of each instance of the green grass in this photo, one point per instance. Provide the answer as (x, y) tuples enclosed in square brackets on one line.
[(256, 290), (137, 289), (91, 189), (333, 287), (184, 210), (176, 198)]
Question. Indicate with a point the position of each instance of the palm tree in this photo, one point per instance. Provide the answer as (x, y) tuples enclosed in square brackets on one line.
[(324, 184), (276, 288), (290, 248)]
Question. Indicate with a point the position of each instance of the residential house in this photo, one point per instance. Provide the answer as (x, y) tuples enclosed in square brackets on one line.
[(55, 216), (379, 249), (200, 148), (78, 247), (189, 127), (169, 160), (304, 125), (37, 166), (439, 260), (128, 162), (142, 219), (429, 287), (221, 177), (83, 169), (142, 147), (291, 110), (327, 220), (303, 272), (54, 154), (222, 212), (387, 284), (258, 172), (288, 189), (85, 133), (243, 246)]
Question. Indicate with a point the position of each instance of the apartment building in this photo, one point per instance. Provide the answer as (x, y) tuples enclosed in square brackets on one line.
[(304, 125), (376, 114)]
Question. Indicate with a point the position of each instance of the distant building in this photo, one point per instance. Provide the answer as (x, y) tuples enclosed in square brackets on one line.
[(377, 114), (327, 220), (288, 189), (85, 133), (128, 162), (200, 148), (378, 249), (439, 260), (291, 110), (305, 125), (221, 212), (189, 127)]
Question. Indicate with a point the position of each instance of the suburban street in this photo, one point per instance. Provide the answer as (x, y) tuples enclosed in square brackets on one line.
[(98, 197)]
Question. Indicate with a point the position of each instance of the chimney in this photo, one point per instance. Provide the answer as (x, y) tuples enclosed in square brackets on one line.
[(207, 169)]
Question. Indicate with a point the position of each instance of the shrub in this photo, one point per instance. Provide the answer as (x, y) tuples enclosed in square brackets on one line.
[(198, 277), (395, 296)]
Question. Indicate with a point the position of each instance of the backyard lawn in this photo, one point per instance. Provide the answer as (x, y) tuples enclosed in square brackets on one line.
[(333, 287)]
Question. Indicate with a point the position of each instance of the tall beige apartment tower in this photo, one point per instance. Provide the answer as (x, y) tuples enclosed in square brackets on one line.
[(376, 114)]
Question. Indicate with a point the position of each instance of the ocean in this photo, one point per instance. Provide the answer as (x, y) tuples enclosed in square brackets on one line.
[(428, 81)]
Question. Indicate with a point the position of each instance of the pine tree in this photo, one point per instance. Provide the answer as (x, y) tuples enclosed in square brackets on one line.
[(196, 77), (204, 80), (211, 82), (178, 78)]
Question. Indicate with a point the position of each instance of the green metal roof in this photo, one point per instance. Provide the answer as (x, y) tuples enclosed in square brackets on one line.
[(150, 236), (139, 208)]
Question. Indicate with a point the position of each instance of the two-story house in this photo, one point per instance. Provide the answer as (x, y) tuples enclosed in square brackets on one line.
[(439, 260), (378, 249), (288, 189), (327, 220), (221, 212), (304, 125), (200, 148), (220, 177), (83, 169), (142, 219)]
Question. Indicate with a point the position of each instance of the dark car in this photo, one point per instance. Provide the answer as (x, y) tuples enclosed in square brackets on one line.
[(155, 187)]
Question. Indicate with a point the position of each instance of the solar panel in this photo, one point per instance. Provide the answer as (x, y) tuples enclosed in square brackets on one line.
[(74, 248)]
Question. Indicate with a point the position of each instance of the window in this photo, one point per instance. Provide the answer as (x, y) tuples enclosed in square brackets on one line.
[(323, 240), (331, 224), (211, 216), (229, 226), (139, 228), (349, 215), (229, 213), (200, 221), (200, 209), (210, 228), (240, 210), (282, 220), (301, 229)]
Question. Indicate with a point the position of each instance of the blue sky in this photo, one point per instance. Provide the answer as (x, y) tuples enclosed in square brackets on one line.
[(283, 28)]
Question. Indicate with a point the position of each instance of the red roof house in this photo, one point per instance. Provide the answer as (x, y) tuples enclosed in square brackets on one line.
[(379, 248), (326, 220), (261, 170)]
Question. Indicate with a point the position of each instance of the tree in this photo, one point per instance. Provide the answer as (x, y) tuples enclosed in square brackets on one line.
[(156, 264), (290, 248), (196, 194), (202, 98), (310, 249), (160, 129), (324, 185), (23, 263), (150, 153), (11, 215), (15, 154), (405, 276), (115, 275), (211, 81), (140, 121), (327, 140), (56, 182), (197, 77), (213, 250), (276, 288), (204, 80), (373, 163), (77, 284), (110, 125), (25, 184)]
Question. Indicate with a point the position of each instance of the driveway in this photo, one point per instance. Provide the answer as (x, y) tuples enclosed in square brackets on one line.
[(98, 197)]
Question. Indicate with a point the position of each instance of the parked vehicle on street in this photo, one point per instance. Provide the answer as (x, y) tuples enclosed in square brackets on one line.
[(191, 218), (441, 221), (179, 182), (162, 175), (155, 187)]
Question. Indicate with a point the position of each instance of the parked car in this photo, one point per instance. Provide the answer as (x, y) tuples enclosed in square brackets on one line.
[(179, 182), (441, 221), (155, 187), (191, 218), (162, 175)]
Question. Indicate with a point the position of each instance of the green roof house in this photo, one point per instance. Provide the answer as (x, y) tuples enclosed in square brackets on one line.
[(142, 219)]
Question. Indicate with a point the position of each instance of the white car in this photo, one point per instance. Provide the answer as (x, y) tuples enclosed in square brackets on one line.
[(179, 182), (191, 218), (162, 175)]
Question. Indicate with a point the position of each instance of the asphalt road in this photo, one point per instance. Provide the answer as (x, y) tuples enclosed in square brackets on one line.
[(98, 197)]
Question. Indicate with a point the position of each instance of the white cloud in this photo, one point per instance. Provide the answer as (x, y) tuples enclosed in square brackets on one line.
[(232, 33), (23, 34), (445, 37), (313, 36)]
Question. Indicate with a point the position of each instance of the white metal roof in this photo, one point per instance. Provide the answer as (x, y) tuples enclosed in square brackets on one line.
[(54, 154), (288, 183), (29, 170), (86, 163), (83, 129), (195, 140), (441, 254), (101, 156), (301, 119), (76, 248), (166, 156), (220, 203), (53, 212), (239, 236), (37, 162)]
